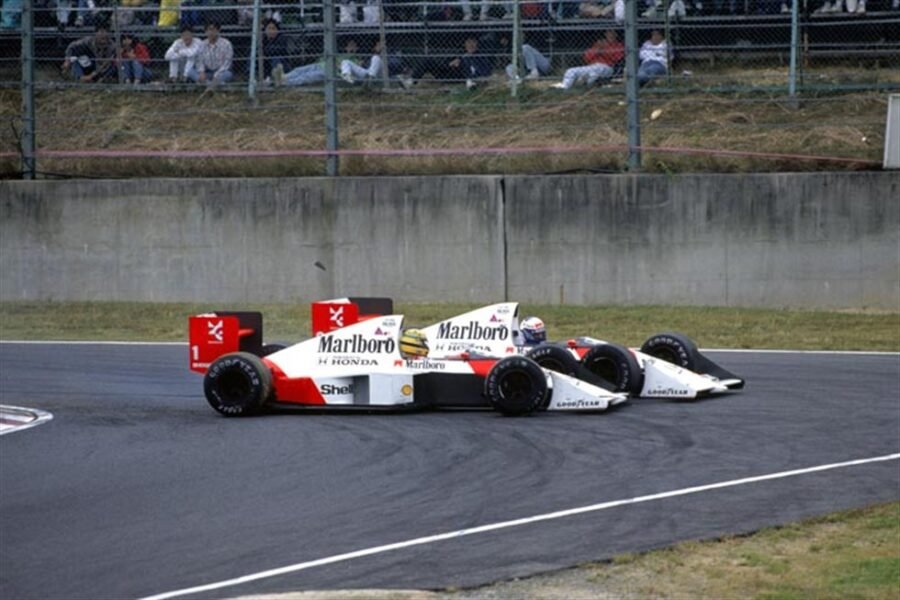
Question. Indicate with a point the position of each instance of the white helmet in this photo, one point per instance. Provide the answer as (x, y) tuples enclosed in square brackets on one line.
[(533, 331)]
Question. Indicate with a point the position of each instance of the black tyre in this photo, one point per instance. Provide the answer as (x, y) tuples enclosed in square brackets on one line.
[(516, 385), (268, 349), (237, 384), (617, 365), (674, 348), (554, 358)]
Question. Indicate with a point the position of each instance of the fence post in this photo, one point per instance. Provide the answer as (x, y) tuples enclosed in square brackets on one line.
[(382, 37), (631, 86), (795, 47), (254, 44), (29, 166), (331, 118), (516, 47)]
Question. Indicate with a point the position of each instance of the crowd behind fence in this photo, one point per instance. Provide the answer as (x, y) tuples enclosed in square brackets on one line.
[(413, 48), (708, 43)]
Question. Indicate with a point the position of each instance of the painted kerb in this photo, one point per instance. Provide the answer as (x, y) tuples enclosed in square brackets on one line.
[(818, 239)]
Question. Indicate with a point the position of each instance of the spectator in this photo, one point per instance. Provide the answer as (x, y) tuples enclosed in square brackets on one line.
[(11, 16), (275, 50), (536, 64), (213, 64), (134, 60), (654, 56), (352, 71), (601, 61), (315, 72), (182, 55), (168, 13), (91, 59), (485, 9), (469, 67)]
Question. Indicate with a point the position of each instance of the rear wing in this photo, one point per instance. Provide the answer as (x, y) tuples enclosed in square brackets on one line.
[(328, 315), (213, 334)]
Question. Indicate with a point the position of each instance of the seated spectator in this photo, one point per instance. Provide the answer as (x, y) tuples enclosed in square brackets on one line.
[(134, 60), (213, 63), (600, 62), (182, 55), (275, 49), (352, 71), (91, 59), (654, 56), (11, 15), (168, 13), (536, 64), (315, 72), (484, 11), (468, 67)]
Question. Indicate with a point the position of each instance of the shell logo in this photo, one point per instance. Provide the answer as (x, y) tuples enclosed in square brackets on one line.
[(406, 390)]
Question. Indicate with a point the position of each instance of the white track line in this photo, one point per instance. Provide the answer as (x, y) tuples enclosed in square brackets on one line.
[(40, 417), (507, 524), (732, 350)]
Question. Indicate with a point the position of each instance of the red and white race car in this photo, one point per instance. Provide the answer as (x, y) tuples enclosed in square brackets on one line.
[(667, 365), (354, 361)]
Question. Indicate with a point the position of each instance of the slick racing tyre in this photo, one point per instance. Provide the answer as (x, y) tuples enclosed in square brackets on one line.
[(237, 384), (554, 358), (516, 385), (674, 348), (268, 349), (617, 365)]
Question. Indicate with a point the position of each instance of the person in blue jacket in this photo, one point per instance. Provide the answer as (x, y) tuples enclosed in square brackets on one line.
[(468, 67)]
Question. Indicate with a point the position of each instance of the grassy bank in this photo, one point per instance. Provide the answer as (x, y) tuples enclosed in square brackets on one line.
[(435, 117), (711, 327), (852, 554)]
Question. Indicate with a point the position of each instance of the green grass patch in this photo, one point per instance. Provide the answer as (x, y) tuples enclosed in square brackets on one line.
[(858, 556), (711, 327)]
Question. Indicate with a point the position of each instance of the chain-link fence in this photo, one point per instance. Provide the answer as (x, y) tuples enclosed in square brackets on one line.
[(202, 87)]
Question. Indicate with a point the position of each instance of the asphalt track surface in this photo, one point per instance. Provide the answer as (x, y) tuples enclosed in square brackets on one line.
[(137, 487)]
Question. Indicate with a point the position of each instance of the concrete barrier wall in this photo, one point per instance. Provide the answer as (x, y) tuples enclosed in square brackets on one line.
[(251, 240), (817, 239), (805, 239)]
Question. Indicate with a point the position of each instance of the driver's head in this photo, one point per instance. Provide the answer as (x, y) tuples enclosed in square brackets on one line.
[(413, 343), (533, 331)]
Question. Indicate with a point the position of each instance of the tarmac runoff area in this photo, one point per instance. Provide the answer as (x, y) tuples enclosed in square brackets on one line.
[(137, 488)]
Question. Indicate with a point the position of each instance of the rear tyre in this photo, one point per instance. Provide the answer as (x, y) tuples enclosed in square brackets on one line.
[(268, 349), (673, 348), (616, 365), (237, 384), (554, 358), (516, 386)]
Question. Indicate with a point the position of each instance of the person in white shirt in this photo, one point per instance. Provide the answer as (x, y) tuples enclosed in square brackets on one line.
[(654, 55), (182, 54), (213, 63)]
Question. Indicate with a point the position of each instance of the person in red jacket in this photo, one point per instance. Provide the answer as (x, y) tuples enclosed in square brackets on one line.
[(600, 62), (134, 60)]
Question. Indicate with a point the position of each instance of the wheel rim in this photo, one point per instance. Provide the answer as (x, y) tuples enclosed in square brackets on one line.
[(605, 368), (234, 387), (516, 387)]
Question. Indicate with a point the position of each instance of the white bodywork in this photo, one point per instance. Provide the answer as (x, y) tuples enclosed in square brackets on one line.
[(361, 364), (494, 330)]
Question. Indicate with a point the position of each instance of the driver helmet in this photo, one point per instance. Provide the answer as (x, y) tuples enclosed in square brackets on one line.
[(413, 343), (533, 331)]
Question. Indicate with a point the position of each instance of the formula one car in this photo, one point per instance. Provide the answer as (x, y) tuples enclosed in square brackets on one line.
[(667, 365), (355, 361)]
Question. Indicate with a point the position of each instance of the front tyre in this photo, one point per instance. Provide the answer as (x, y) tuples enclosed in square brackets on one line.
[(673, 348), (237, 384), (516, 386), (554, 358), (616, 365)]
